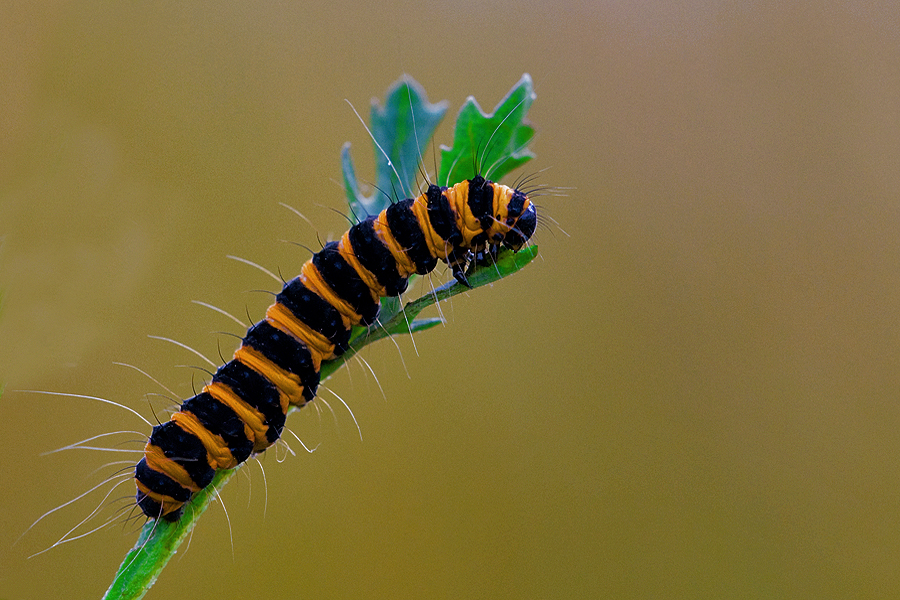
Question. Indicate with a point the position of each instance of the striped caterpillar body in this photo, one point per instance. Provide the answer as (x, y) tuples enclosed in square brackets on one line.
[(242, 410)]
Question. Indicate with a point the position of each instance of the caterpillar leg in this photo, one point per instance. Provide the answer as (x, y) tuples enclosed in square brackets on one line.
[(459, 273), (464, 265)]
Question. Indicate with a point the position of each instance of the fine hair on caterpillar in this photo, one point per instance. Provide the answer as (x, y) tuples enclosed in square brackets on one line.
[(241, 409)]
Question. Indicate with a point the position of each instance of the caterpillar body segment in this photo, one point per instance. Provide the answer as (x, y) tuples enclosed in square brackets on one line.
[(242, 410)]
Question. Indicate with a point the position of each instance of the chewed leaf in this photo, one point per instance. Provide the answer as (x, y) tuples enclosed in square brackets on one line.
[(401, 129), (493, 144)]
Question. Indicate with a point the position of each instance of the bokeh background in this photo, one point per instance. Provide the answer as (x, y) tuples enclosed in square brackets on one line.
[(693, 394)]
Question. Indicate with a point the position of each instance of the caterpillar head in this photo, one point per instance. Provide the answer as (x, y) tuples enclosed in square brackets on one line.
[(521, 218)]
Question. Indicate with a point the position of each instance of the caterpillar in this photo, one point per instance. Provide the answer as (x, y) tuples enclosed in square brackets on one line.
[(242, 410)]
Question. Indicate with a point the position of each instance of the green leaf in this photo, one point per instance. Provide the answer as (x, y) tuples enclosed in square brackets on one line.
[(402, 129), (493, 144)]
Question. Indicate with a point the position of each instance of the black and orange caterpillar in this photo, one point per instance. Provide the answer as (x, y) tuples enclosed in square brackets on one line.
[(242, 410)]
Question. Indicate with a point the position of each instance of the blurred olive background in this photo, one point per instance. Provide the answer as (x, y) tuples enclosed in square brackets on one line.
[(692, 395)]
